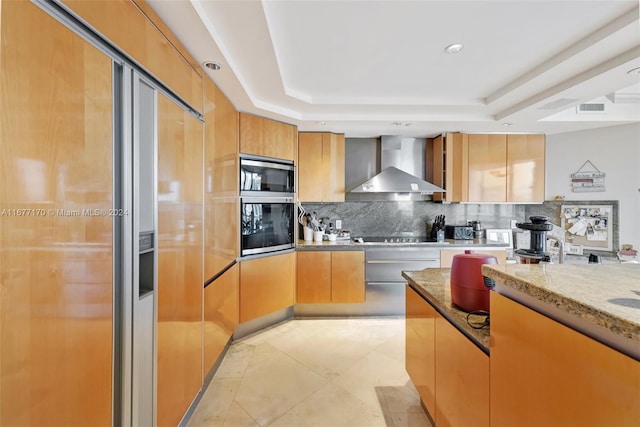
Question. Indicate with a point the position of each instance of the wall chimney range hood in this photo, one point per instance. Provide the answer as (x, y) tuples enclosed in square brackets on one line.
[(397, 156)]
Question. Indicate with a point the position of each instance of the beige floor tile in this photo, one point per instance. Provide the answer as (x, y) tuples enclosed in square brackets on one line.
[(331, 406), (411, 419), (235, 361), (238, 417), (315, 373), (373, 370), (215, 403), (273, 384)]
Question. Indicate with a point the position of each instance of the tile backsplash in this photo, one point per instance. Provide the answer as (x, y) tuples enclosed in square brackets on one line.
[(403, 218)]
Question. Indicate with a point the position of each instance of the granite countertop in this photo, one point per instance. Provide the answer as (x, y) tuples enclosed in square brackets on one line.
[(434, 286), (351, 245), (606, 296)]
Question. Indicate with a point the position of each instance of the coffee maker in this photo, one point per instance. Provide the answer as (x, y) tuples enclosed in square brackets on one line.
[(537, 252)]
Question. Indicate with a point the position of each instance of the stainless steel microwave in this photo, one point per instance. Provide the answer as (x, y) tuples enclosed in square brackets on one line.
[(267, 224), (261, 176)]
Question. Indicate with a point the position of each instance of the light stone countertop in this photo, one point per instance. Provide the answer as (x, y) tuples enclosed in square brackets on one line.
[(342, 245), (434, 286), (605, 296)]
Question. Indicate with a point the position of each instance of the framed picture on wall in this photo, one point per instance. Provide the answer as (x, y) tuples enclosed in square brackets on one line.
[(588, 225)]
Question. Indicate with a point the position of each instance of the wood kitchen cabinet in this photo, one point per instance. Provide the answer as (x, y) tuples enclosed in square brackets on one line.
[(321, 167), (461, 379), (450, 166), (487, 168), (493, 168), (266, 285), (180, 261), (525, 168), (134, 27), (330, 277), (420, 347), (221, 314), (544, 373), (265, 137), (449, 371)]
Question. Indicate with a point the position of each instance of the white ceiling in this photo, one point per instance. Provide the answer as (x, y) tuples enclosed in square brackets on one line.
[(369, 68)]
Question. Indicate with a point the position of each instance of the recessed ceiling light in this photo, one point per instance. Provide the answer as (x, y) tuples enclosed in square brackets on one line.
[(454, 48), (507, 124), (212, 65), (321, 123), (634, 71)]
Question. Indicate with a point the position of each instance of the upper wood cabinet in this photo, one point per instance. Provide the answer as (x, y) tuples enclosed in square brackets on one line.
[(266, 137), (450, 166), (330, 277), (525, 168), (489, 167), (321, 167)]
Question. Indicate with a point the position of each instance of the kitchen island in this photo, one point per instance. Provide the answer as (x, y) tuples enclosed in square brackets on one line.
[(563, 346)]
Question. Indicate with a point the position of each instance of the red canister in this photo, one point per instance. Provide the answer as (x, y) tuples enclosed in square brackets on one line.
[(468, 290)]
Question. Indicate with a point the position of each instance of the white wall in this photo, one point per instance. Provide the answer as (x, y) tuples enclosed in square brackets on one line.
[(615, 151)]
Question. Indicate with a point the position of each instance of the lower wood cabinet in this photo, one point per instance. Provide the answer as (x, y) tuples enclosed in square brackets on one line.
[(544, 373), (462, 379), (330, 277), (266, 285), (420, 347), (221, 314), (450, 373)]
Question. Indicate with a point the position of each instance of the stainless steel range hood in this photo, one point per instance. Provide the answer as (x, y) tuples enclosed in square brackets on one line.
[(397, 156)]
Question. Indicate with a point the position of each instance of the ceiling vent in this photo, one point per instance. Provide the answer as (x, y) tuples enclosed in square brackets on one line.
[(591, 107)]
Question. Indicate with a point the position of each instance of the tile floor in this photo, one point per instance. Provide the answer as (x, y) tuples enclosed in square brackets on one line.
[(315, 373)]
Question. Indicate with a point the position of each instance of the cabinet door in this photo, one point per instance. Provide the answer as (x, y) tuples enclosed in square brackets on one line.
[(266, 285), (525, 168), (487, 168), (221, 314), (347, 276), (56, 266), (128, 27), (420, 347), (333, 165), (462, 379), (265, 137), (314, 277), (311, 176), (544, 373), (180, 267)]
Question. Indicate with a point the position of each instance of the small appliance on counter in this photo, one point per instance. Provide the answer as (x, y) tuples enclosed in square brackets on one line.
[(537, 251), (458, 232), (469, 289)]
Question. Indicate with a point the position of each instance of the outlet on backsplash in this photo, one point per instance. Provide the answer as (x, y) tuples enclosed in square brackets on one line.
[(338, 223)]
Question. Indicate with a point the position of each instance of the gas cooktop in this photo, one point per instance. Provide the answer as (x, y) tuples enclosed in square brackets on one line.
[(378, 239)]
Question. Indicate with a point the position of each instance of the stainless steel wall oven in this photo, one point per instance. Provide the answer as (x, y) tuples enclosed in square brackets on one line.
[(267, 210), (267, 224), (261, 176)]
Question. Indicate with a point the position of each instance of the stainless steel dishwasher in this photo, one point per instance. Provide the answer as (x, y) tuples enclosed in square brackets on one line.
[(385, 286)]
